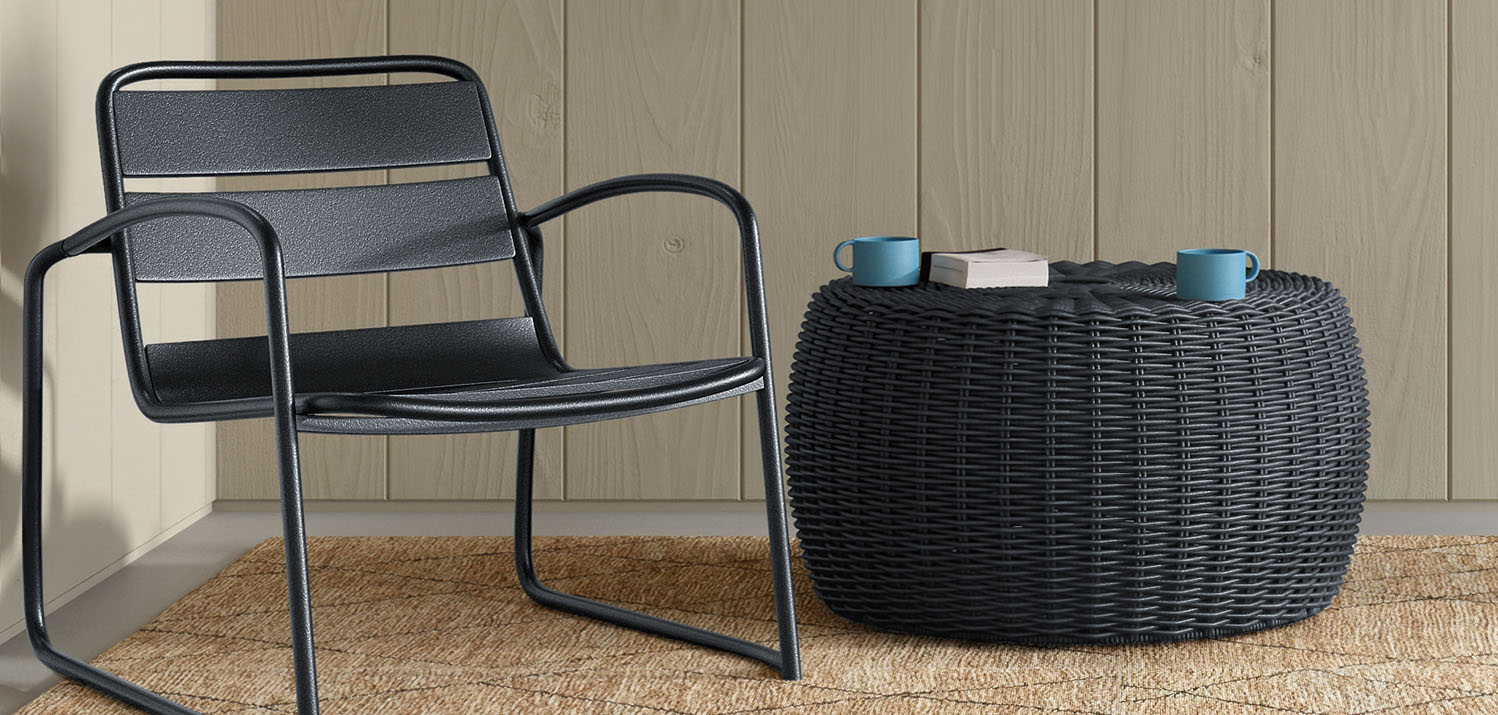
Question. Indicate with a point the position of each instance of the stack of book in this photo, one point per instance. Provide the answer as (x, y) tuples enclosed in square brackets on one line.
[(989, 268)]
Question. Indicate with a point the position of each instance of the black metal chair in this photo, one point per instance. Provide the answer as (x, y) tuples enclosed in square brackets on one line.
[(504, 374)]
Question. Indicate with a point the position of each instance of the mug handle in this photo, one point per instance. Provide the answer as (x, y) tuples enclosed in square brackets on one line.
[(838, 262), (1253, 271)]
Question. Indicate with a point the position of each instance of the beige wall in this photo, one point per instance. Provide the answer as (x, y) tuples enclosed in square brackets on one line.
[(1319, 134), (115, 483)]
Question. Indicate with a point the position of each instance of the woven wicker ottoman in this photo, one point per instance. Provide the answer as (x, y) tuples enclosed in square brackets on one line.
[(1094, 462)]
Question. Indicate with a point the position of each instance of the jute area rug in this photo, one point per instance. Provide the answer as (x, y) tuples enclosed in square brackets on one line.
[(439, 625)]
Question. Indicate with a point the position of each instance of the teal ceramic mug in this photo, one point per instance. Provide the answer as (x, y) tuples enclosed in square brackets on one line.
[(1214, 273), (884, 261)]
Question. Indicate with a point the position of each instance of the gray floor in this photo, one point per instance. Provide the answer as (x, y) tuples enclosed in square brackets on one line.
[(120, 604)]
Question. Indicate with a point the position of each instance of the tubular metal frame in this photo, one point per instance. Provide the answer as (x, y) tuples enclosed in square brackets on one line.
[(286, 444), (288, 412)]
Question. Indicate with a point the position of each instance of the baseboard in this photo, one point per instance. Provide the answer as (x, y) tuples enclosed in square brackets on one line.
[(500, 506), (696, 505), (1417, 517), (16, 627), (736, 517)]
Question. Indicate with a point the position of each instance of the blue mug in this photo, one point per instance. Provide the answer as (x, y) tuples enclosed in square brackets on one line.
[(1214, 273), (884, 261)]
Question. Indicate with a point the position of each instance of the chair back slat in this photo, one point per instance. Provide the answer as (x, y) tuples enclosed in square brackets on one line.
[(362, 229), (270, 131)]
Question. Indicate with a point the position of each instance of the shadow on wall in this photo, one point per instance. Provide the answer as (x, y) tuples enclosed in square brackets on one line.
[(83, 537)]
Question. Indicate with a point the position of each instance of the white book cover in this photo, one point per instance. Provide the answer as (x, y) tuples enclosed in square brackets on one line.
[(998, 268), (1001, 255)]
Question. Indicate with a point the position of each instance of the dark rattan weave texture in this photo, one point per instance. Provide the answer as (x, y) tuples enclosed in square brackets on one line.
[(1095, 461)]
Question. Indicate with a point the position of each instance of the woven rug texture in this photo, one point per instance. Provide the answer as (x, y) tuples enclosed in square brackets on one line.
[(439, 625)]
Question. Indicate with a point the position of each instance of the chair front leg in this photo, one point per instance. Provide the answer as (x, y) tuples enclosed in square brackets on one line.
[(31, 530), (525, 569), (298, 587), (780, 550), (31, 515), (109, 683), (274, 279)]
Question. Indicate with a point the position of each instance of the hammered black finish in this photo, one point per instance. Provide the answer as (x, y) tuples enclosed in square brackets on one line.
[(327, 232), (504, 374), (265, 131), (1093, 462)]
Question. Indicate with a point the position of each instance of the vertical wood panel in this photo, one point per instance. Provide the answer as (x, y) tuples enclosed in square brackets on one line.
[(652, 85), (21, 235), (1474, 251), (333, 467), (829, 152), (1183, 127), (516, 47), (78, 502), (1360, 198), (1006, 126), (135, 442), (43, 145)]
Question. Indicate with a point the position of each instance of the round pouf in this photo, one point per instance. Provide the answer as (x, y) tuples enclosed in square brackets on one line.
[(1097, 461)]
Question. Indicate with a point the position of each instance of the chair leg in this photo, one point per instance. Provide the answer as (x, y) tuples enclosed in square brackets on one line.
[(525, 568), (31, 549), (31, 516), (109, 683), (780, 550), (31, 577), (298, 590)]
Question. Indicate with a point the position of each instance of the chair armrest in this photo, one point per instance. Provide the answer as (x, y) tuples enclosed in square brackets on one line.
[(209, 206), (743, 213), (643, 183), (206, 206)]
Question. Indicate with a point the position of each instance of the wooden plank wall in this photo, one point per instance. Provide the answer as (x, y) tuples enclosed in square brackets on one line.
[(518, 47), (333, 466), (823, 128), (653, 85), (1473, 250), (1347, 139), (114, 482), (1360, 160)]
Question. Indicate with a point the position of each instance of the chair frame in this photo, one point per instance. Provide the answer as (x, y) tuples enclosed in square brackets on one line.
[(106, 235)]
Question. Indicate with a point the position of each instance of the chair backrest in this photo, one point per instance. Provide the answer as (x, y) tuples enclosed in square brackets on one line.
[(331, 231), (169, 133)]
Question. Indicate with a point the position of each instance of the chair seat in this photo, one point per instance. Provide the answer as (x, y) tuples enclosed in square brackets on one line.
[(473, 376)]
